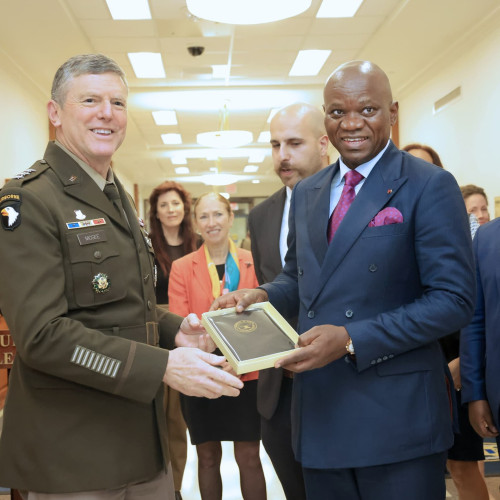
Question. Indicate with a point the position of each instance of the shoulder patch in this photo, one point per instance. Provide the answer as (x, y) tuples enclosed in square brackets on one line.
[(10, 211)]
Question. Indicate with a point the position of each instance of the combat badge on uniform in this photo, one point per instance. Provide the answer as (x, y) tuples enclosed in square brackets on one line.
[(10, 209), (101, 283)]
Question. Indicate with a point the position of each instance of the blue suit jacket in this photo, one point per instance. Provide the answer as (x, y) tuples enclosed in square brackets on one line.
[(480, 341), (397, 289)]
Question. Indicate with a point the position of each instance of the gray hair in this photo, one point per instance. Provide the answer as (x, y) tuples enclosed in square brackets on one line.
[(85, 64)]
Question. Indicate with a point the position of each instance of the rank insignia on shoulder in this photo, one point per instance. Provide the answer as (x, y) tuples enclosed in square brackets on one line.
[(10, 209), (24, 173), (101, 283)]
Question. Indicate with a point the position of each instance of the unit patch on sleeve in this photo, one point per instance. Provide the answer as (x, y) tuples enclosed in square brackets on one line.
[(10, 209)]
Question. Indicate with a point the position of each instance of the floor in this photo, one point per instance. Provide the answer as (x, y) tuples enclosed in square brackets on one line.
[(231, 486)]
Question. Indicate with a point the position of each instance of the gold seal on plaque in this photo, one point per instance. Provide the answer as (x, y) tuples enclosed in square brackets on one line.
[(245, 326)]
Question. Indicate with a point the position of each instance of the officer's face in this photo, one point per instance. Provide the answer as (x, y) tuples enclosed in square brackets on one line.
[(93, 120), (170, 209)]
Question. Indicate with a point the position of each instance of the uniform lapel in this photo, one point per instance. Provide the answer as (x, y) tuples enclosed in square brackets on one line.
[(78, 184)]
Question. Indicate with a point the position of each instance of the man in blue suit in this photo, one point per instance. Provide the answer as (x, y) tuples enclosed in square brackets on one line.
[(480, 341), (371, 410)]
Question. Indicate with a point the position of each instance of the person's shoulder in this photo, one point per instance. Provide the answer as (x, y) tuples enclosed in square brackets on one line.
[(279, 195), (27, 176), (490, 227), (244, 254)]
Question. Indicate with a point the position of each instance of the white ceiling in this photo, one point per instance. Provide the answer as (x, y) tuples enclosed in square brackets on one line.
[(403, 36)]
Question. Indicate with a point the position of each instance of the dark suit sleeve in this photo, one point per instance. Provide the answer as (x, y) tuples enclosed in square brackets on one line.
[(473, 342), (445, 264)]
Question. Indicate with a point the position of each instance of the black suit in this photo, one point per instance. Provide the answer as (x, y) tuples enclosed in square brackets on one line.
[(274, 392)]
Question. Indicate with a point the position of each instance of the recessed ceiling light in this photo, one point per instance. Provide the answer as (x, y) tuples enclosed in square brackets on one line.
[(165, 117), (171, 138), (225, 138), (177, 159), (256, 158), (256, 181), (182, 170), (264, 136), (220, 70), (339, 8), (129, 9), (246, 12), (219, 179), (251, 169), (309, 62), (147, 64)]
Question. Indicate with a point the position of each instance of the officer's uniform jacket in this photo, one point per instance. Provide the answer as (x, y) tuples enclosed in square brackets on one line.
[(84, 406)]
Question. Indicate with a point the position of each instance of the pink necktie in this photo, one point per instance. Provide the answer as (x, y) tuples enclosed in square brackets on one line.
[(352, 178)]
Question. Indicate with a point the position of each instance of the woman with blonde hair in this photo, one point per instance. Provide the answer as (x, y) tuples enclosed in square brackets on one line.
[(217, 267)]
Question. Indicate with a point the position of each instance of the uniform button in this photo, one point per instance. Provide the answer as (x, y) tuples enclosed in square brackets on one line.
[(385, 358), (391, 356), (349, 313), (97, 254), (146, 278), (373, 268), (301, 271), (310, 314), (150, 305), (379, 360), (373, 362)]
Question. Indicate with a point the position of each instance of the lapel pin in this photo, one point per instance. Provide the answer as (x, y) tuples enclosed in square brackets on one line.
[(389, 191), (79, 215), (73, 178)]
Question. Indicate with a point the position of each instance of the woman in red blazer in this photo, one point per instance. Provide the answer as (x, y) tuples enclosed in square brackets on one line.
[(195, 281)]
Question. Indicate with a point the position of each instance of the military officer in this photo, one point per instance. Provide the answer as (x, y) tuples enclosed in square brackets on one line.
[(83, 418)]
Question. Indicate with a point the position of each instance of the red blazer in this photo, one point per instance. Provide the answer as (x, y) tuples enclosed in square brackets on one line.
[(190, 288)]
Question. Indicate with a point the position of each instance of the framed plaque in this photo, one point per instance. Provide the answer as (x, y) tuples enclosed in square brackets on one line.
[(253, 339)]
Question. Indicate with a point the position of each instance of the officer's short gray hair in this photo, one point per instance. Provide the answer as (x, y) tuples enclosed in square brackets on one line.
[(85, 64)]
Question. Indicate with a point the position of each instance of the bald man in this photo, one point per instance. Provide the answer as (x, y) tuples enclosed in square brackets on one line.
[(299, 149), (379, 267)]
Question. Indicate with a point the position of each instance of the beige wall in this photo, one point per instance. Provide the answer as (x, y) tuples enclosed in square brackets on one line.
[(466, 133)]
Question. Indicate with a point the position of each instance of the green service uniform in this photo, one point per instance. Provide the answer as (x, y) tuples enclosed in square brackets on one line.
[(84, 408)]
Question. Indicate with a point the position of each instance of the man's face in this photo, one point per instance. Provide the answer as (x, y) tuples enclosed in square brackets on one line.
[(93, 120), (296, 152), (358, 115)]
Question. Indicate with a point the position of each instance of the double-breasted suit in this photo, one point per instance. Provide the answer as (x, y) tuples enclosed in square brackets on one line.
[(480, 340), (396, 288), (77, 291)]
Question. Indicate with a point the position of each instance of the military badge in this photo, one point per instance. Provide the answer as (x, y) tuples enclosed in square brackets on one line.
[(101, 283), (10, 209), (79, 215)]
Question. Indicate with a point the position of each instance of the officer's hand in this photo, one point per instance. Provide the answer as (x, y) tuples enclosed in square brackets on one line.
[(481, 418), (319, 346), (240, 299), (197, 373), (192, 334)]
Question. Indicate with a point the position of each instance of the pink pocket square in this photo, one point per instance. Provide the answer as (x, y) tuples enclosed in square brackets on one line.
[(389, 215)]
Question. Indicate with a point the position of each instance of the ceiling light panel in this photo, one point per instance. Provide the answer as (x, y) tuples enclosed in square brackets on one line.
[(338, 8), (309, 62), (147, 65), (165, 117), (129, 9), (246, 12), (265, 137), (171, 138)]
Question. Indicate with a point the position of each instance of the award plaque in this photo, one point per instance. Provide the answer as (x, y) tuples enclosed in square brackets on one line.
[(253, 339)]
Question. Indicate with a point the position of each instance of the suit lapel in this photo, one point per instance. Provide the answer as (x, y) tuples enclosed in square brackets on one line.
[(200, 274), (318, 208), (381, 185)]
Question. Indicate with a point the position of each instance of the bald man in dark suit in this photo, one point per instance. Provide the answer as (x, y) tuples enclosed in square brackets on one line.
[(300, 144)]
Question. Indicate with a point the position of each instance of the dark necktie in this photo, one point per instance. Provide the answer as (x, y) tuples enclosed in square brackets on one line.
[(352, 178), (111, 191)]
